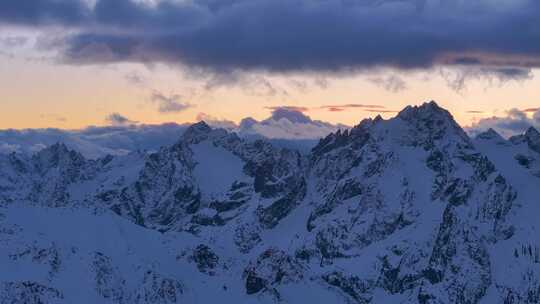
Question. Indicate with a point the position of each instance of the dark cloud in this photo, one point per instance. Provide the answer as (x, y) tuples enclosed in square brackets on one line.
[(288, 108), (292, 114), (117, 119), (252, 84), (43, 12), (475, 112), (514, 122), (295, 35), (458, 79), (170, 104), (288, 122)]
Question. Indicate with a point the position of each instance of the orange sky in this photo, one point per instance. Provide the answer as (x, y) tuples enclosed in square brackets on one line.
[(40, 93)]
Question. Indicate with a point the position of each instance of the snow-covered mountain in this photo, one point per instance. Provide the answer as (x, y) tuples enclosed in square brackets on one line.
[(287, 124), (285, 127), (405, 210)]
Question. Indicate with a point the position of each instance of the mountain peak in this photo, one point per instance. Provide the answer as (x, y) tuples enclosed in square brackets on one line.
[(56, 154), (430, 122), (200, 126), (197, 130), (533, 139), (532, 133), (430, 108), (490, 134), (201, 131)]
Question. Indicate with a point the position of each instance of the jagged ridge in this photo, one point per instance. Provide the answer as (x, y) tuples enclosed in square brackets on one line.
[(405, 210)]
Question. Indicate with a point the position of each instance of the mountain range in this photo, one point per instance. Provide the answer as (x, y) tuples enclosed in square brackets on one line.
[(286, 127), (404, 210)]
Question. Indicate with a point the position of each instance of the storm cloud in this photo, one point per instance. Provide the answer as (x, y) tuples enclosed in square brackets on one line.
[(292, 35)]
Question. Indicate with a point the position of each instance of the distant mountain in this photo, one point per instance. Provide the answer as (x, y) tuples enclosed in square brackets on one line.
[(405, 210), (285, 128), (287, 124), (93, 142)]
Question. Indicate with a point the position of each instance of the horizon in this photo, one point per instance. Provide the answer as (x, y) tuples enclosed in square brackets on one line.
[(74, 64), (285, 128), (116, 121)]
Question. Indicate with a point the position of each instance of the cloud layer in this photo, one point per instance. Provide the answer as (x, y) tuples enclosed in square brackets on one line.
[(93, 142), (294, 35), (285, 128), (514, 122)]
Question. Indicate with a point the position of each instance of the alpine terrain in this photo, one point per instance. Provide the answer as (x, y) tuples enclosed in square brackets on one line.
[(405, 210)]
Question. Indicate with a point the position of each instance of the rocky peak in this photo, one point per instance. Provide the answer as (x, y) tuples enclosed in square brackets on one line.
[(198, 128), (490, 134), (427, 110), (57, 155), (532, 136), (430, 123), (201, 131)]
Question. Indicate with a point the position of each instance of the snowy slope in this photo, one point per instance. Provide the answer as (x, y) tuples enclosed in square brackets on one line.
[(406, 210)]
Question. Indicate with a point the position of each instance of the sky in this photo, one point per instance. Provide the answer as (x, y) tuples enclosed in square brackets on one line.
[(71, 64)]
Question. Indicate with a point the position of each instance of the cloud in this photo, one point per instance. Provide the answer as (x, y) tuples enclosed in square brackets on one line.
[(390, 83), (329, 108), (292, 114), (293, 35), (289, 108), (514, 122), (13, 41), (135, 79), (475, 112), (458, 78), (43, 12), (343, 107), (170, 104), (117, 119), (288, 123), (94, 142), (251, 84)]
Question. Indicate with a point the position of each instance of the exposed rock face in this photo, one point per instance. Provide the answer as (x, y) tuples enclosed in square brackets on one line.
[(28, 292), (272, 268), (406, 210)]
